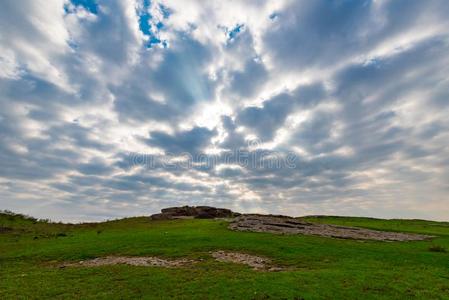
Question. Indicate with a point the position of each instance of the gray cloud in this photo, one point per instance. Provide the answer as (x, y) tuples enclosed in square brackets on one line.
[(356, 90), (246, 83), (190, 141), (271, 116), (268, 118), (318, 33)]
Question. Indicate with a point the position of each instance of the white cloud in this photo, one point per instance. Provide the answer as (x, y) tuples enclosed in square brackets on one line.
[(92, 104)]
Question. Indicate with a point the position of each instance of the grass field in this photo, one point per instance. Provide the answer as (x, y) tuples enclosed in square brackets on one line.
[(318, 267)]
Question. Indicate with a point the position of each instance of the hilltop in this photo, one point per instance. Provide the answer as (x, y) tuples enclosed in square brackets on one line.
[(203, 259)]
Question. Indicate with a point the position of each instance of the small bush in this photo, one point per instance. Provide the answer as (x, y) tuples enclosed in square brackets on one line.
[(436, 248)]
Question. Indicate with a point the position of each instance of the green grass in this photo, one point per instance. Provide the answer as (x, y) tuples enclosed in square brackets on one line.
[(319, 268)]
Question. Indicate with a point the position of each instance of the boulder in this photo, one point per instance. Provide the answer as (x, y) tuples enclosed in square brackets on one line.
[(199, 212), (160, 217), (180, 211)]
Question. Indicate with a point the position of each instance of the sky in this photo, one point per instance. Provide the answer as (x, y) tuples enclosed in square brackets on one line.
[(114, 108)]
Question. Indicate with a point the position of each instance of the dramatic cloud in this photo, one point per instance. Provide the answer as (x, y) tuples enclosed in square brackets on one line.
[(117, 108), (192, 141)]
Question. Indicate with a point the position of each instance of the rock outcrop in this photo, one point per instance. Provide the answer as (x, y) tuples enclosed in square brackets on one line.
[(288, 225), (197, 212), (283, 224)]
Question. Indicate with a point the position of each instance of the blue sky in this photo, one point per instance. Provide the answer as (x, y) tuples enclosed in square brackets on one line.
[(111, 108)]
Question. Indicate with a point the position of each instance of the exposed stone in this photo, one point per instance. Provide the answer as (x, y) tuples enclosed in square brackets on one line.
[(160, 217), (288, 225), (129, 260), (199, 212), (256, 262)]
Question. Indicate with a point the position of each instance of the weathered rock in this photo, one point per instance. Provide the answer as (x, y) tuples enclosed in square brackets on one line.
[(207, 212), (199, 212), (179, 211), (288, 225), (149, 261), (160, 217), (256, 262)]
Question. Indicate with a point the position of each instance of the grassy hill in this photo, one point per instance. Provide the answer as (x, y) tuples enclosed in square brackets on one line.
[(32, 251)]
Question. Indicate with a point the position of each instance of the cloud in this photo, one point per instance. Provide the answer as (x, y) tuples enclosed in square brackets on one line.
[(95, 167), (189, 141), (40, 25), (294, 107), (246, 83), (272, 115), (323, 34), (265, 120)]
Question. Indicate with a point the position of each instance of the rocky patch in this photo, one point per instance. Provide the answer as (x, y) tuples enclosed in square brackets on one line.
[(288, 225), (129, 260), (255, 262)]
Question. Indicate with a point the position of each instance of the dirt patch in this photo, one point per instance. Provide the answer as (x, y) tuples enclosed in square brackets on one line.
[(255, 262), (129, 260), (288, 225)]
